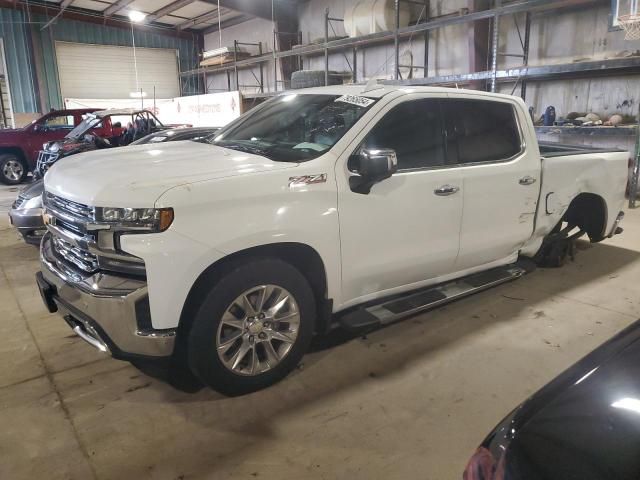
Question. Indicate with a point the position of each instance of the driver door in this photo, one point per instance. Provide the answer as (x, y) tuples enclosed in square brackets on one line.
[(406, 230)]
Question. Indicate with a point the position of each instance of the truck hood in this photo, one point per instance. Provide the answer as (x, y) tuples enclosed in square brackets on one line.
[(9, 136), (136, 176)]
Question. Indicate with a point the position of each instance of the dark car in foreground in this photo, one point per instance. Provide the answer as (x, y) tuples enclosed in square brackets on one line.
[(583, 425), (26, 211)]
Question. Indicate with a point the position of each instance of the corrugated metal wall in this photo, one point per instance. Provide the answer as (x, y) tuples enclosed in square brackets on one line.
[(15, 33), (19, 50)]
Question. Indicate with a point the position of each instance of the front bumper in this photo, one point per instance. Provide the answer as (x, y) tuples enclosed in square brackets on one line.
[(109, 311), (29, 223)]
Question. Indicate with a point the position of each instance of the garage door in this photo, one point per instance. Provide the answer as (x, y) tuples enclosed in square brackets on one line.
[(99, 71)]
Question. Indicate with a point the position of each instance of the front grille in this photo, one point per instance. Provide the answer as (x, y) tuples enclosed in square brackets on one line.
[(79, 258), (76, 210), (45, 160), (78, 246), (71, 219)]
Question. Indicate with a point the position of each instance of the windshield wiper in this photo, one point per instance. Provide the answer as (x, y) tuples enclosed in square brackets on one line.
[(245, 148)]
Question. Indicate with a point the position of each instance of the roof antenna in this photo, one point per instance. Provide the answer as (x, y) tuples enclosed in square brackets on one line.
[(372, 84)]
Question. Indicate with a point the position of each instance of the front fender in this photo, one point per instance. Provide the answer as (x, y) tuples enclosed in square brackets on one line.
[(233, 214)]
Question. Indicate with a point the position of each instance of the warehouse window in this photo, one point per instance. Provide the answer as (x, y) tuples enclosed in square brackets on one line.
[(480, 131), (414, 130)]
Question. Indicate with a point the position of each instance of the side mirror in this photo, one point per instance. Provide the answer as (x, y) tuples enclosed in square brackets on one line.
[(372, 166), (39, 128)]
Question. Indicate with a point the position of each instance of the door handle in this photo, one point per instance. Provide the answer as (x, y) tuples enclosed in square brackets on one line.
[(445, 190), (527, 180)]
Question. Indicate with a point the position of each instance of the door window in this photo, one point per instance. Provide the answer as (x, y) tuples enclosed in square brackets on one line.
[(58, 122), (480, 131), (414, 130)]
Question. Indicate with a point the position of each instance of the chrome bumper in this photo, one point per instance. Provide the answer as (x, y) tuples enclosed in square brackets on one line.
[(110, 312), (29, 223)]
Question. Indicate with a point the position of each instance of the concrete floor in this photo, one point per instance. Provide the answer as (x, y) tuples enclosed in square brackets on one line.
[(409, 401)]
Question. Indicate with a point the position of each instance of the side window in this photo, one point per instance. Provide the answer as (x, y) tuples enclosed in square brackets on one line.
[(59, 122), (480, 130), (414, 130)]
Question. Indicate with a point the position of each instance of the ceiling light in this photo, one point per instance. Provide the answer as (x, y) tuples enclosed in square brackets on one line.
[(136, 16)]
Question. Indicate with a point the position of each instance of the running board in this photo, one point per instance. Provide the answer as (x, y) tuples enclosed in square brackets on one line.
[(392, 310)]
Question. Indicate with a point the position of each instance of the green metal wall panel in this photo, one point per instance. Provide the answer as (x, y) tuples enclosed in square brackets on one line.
[(18, 36), (14, 31)]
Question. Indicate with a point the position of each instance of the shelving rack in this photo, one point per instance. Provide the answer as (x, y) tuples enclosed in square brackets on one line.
[(500, 9), (519, 75)]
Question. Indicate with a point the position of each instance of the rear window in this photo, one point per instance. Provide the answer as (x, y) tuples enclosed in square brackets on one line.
[(480, 131)]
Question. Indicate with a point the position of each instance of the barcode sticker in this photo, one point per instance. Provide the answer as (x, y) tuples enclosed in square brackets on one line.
[(355, 100)]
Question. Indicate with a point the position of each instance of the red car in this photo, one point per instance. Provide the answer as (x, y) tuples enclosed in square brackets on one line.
[(19, 147)]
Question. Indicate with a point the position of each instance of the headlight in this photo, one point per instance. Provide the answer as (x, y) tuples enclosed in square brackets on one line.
[(35, 202), (155, 219)]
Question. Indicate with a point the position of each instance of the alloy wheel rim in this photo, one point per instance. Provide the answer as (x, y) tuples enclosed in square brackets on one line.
[(13, 170), (258, 330)]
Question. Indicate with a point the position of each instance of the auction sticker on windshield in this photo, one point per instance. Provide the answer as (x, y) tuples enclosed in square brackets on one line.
[(355, 100)]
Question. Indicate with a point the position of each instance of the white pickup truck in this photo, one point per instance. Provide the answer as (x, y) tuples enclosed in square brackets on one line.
[(336, 205)]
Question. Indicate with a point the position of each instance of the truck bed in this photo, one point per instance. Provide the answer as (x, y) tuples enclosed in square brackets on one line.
[(550, 149)]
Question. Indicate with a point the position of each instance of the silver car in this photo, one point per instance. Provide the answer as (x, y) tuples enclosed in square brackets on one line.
[(26, 213)]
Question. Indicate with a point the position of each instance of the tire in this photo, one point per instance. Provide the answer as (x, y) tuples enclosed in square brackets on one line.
[(557, 247), (313, 78), (12, 169), (224, 320)]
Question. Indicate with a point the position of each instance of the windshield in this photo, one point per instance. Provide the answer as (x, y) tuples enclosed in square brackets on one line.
[(294, 127), (88, 122)]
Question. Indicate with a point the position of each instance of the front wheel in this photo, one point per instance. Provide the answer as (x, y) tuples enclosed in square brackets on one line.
[(12, 170), (252, 328)]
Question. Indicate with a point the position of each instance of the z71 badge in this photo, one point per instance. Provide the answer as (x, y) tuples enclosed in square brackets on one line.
[(307, 180)]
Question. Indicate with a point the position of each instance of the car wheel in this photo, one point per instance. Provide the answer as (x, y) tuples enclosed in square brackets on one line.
[(252, 328), (12, 169)]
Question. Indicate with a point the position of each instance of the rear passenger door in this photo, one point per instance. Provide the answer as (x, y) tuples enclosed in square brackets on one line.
[(500, 177)]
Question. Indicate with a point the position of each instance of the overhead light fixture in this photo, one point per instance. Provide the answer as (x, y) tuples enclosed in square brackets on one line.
[(136, 16)]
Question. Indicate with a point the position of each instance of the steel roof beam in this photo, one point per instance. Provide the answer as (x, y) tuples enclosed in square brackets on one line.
[(202, 19), (63, 6), (259, 8), (116, 7), (228, 23), (166, 10)]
